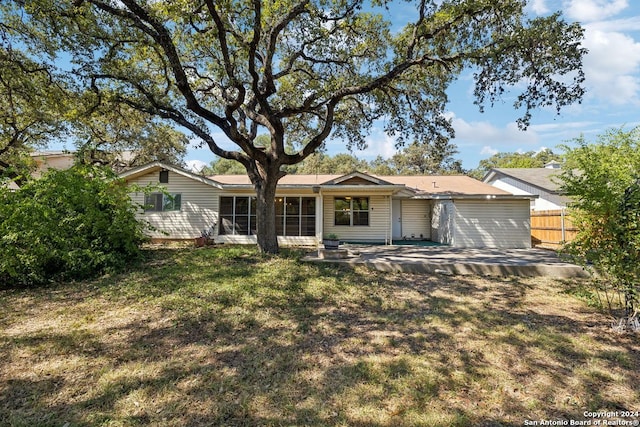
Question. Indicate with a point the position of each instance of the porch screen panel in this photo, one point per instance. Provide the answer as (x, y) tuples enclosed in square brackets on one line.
[(308, 216), (237, 215), (292, 220), (280, 216), (296, 216)]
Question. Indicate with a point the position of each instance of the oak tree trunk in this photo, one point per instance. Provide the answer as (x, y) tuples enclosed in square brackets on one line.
[(266, 213)]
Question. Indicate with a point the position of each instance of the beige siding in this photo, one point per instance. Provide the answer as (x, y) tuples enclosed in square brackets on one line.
[(199, 208), (416, 221), (492, 224), (379, 221)]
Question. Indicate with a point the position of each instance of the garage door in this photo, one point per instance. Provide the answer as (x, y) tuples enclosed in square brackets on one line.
[(492, 224)]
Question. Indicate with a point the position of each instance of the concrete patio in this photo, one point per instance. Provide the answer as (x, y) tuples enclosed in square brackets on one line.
[(448, 260)]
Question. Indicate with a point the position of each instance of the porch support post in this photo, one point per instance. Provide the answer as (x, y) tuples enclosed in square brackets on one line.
[(390, 222), (320, 217)]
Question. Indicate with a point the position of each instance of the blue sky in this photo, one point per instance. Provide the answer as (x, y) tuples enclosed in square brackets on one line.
[(612, 68)]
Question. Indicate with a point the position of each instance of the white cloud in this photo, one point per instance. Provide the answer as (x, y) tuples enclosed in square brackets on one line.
[(611, 66), (543, 150), (485, 133), (539, 7), (594, 10), (379, 144), (631, 23), (195, 165), (560, 128), (488, 151)]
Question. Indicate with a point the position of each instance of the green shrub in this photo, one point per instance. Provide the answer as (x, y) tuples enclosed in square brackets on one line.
[(70, 224), (603, 180)]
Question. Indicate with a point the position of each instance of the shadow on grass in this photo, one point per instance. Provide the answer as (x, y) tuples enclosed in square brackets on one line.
[(247, 340)]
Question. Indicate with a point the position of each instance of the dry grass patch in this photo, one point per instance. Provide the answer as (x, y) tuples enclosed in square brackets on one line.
[(224, 336)]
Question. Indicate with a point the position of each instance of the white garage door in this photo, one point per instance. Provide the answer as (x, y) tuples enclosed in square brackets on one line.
[(492, 224)]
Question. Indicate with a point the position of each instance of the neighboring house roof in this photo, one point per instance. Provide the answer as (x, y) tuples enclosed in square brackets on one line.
[(51, 153), (542, 178)]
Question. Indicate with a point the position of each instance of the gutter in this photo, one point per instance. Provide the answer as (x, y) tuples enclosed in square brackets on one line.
[(476, 197)]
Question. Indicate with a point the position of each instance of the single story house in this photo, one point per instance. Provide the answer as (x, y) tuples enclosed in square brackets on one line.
[(541, 182), (454, 210), (45, 160)]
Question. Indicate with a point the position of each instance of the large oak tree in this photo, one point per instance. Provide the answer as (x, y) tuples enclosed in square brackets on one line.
[(31, 101), (302, 71)]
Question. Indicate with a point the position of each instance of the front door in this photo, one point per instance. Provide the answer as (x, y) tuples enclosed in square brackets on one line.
[(396, 215)]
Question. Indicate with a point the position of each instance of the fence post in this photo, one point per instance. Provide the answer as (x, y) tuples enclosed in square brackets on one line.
[(563, 228)]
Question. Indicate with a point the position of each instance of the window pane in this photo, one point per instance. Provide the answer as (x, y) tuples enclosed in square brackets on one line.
[(293, 226), (153, 202), (148, 202), (308, 226), (342, 213), (343, 218), (308, 206), (170, 202), (252, 226), (279, 205), (361, 204), (280, 225), (361, 218), (226, 225), (242, 205), (342, 204), (293, 206), (242, 225), (226, 205), (177, 201)]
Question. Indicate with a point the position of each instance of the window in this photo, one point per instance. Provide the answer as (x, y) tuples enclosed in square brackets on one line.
[(161, 202), (238, 215), (164, 177), (295, 216), (351, 211)]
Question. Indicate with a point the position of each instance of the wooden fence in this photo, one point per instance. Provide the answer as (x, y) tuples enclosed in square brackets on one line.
[(551, 228)]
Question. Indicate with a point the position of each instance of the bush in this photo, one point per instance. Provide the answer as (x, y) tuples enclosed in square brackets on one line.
[(70, 224), (603, 180)]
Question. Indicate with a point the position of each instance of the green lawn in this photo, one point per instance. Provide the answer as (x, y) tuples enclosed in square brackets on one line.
[(225, 336)]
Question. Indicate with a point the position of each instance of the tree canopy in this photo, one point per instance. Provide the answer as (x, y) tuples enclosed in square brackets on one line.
[(32, 101), (122, 137), (302, 71), (414, 159)]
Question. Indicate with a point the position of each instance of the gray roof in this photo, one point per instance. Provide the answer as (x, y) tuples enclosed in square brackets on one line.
[(537, 177)]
